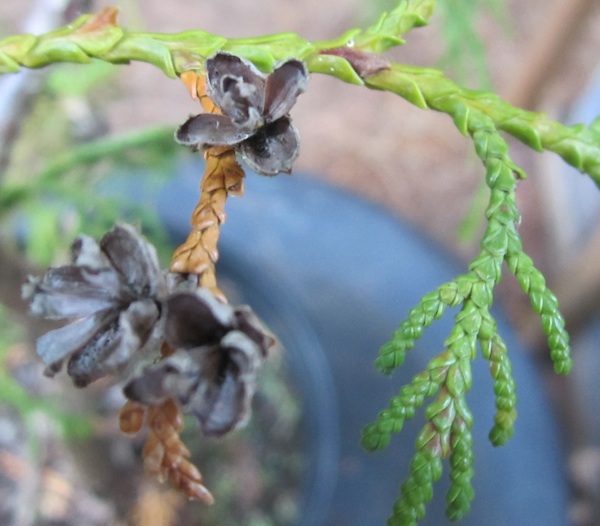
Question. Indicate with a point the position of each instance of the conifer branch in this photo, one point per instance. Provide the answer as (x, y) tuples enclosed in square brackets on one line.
[(354, 57), (428, 88)]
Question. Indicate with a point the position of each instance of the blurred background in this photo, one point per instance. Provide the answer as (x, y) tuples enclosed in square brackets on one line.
[(73, 137)]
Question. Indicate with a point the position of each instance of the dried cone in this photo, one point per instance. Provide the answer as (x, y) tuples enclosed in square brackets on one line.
[(223, 176)]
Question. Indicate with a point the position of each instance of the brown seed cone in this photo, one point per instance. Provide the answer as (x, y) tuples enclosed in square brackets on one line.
[(223, 176)]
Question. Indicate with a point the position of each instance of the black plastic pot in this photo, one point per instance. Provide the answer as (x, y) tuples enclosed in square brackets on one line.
[(333, 276)]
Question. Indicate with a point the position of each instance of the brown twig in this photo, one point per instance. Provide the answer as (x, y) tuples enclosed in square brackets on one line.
[(223, 176), (165, 455), (154, 507)]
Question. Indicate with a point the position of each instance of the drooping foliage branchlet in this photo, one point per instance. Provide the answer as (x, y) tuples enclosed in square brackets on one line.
[(494, 350), (544, 302), (461, 459), (448, 417), (431, 307)]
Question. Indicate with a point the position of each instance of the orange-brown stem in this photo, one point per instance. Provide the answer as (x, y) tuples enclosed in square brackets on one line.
[(223, 176), (165, 455)]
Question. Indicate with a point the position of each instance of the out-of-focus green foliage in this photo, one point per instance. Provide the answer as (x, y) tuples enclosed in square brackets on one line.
[(464, 49), (66, 189), (464, 56), (66, 81), (16, 396)]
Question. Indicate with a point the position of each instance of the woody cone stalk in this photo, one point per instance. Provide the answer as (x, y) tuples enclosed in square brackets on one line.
[(165, 455), (247, 113), (223, 176), (172, 337)]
